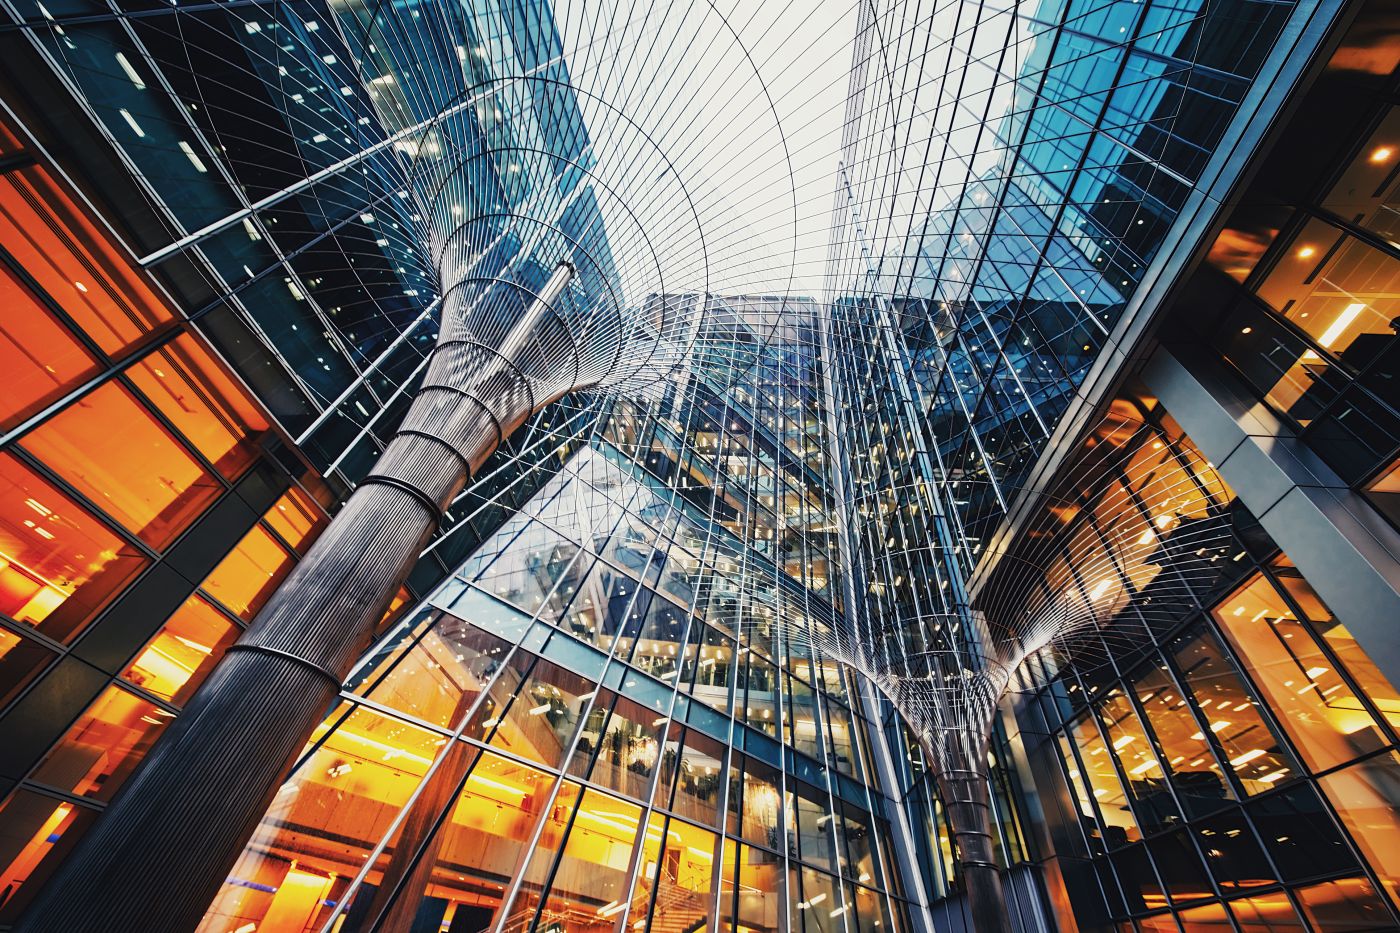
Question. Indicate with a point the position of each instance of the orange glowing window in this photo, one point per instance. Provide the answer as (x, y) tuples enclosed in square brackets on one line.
[(39, 357), (206, 406), (39, 832), (75, 262), (245, 579), (58, 564), (104, 746), (296, 518), (187, 647), (110, 448)]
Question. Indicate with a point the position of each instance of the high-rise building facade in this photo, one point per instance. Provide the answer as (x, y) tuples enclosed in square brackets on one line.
[(1103, 281)]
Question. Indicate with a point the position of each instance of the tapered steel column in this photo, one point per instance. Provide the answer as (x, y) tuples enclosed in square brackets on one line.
[(968, 806), (156, 858)]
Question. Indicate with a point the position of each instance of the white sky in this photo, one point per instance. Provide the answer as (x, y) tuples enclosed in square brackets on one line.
[(717, 124)]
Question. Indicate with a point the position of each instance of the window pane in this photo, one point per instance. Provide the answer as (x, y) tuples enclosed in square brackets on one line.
[(1367, 798), (1200, 783), (683, 882), (758, 879), (73, 261), (1138, 760), (245, 579), (627, 749), (176, 661), (1302, 838), (58, 565), (698, 778), (114, 452), (36, 834), (39, 357), (104, 746), (329, 815), (590, 883), (206, 406), (296, 518), (1313, 703), (1232, 853), (1255, 754), (543, 715), (1268, 913), (440, 676), (1357, 662), (1206, 919), (1120, 825), (1350, 905)]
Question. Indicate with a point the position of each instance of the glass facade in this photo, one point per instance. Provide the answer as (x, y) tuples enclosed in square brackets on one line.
[(605, 699)]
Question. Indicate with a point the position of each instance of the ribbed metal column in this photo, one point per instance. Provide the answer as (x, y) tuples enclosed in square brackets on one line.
[(156, 858), (968, 806)]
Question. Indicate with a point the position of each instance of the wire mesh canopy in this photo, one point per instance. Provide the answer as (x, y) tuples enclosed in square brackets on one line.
[(648, 146)]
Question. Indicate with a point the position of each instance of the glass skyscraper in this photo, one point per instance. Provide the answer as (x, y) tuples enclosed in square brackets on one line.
[(1104, 326)]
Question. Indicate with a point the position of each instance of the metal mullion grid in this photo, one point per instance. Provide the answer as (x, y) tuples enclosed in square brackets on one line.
[(510, 896), (649, 804), (233, 187), (1262, 271), (1325, 648)]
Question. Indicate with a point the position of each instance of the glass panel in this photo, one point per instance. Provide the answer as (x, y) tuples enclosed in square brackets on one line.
[(332, 811), (249, 575), (1146, 782), (1368, 193), (648, 868), (1372, 682), (540, 859), (683, 886), (1180, 868), (818, 904), (296, 518), (540, 723), (110, 448), (71, 259), (591, 880), (1267, 913), (1211, 917), (1300, 834), (1312, 702), (1232, 853), (104, 746), (760, 800), (1350, 905), (1196, 774), (203, 403), (39, 357), (1120, 826), (1367, 798), (698, 778), (1255, 754), (809, 826), (36, 835), (758, 880), (1338, 289), (58, 565), (627, 749), (176, 661), (439, 678)]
